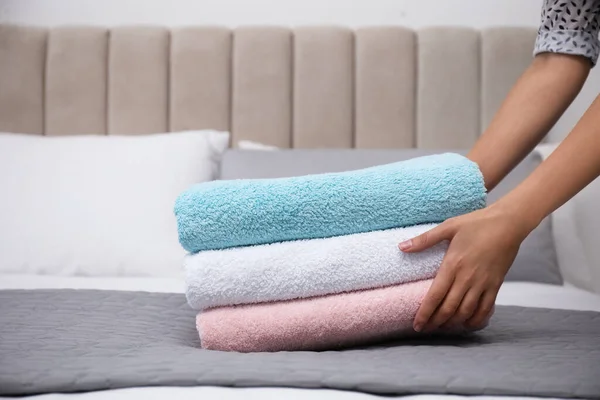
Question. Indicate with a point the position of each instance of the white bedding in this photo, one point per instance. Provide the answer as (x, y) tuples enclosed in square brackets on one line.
[(512, 293)]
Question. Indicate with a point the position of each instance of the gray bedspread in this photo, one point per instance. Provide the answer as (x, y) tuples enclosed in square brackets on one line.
[(68, 340)]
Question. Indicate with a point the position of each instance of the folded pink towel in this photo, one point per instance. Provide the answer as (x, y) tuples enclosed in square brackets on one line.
[(319, 323)]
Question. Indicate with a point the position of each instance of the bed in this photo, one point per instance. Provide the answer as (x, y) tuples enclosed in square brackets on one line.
[(165, 108), (512, 293)]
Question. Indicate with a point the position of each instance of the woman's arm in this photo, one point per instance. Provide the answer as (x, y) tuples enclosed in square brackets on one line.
[(484, 244), (571, 167), (533, 106)]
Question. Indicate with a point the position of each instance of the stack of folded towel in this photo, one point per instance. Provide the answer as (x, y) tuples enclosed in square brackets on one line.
[(312, 262)]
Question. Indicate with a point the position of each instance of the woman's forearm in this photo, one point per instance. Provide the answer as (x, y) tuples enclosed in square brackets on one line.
[(538, 99), (572, 166)]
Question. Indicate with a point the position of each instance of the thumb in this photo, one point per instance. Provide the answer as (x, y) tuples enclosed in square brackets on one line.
[(427, 239)]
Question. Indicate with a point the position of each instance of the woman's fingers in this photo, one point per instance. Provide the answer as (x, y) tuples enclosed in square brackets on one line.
[(448, 308), (434, 297), (428, 239), (484, 309), (464, 290), (443, 281), (467, 308)]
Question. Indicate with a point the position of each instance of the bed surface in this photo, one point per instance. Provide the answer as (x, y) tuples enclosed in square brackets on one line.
[(105, 339), (522, 294)]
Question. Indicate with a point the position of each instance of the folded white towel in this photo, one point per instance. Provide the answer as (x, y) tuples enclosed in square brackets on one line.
[(307, 268)]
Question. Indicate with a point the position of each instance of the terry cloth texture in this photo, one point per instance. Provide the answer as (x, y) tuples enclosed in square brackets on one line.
[(307, 268), (321, 323), (429, 189)]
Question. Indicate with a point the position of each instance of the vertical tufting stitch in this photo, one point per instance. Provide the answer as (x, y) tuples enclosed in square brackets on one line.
[(262, 85), (448, 96), (385, 87), (22, 66), (138, 80), (200, 78), (75, 89), (323, 87)]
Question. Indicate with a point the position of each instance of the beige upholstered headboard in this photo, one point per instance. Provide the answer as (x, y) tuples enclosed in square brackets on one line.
[(306, 87)]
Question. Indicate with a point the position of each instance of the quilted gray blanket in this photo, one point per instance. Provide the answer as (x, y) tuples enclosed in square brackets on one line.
[(73, 341)]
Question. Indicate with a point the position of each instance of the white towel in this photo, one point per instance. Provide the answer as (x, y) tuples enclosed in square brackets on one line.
[(307, 268)]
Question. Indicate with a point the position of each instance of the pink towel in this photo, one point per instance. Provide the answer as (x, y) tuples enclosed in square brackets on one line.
[(318, 323)]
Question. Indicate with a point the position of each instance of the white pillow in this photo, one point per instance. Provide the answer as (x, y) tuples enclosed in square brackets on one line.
[(575, 227), (251, 145), (98, 205)]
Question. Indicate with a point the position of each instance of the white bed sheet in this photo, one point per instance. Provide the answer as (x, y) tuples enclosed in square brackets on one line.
[(512, 293)]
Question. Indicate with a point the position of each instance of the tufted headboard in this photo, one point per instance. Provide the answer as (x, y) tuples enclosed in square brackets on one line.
[(307, 87)]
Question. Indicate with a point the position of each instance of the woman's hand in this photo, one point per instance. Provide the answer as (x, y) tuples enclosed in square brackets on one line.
[(483, 246)]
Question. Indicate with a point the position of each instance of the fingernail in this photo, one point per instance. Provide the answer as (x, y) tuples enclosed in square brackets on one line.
[(405, 245), (418, 327)]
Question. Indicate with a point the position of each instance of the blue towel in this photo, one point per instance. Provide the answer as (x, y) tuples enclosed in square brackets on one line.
[(223, 214)]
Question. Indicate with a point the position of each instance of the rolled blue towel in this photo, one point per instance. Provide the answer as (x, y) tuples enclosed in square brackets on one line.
[(223, 214)]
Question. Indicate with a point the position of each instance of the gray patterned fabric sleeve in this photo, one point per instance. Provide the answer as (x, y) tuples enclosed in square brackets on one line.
[(570, 27)]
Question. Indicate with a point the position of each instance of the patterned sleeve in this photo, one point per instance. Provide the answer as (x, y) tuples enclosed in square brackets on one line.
[(570, 27)]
